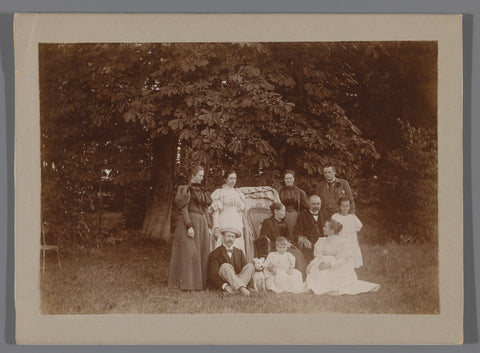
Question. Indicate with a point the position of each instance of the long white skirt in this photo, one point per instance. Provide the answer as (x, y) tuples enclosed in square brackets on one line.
[(338, 281), (283, 282)]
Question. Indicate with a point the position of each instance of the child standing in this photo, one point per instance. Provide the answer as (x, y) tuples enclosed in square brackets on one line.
[(280, 272), (351, 225)]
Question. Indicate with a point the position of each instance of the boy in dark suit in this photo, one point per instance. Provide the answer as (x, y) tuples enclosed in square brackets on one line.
[(309, 227), (227, 267)]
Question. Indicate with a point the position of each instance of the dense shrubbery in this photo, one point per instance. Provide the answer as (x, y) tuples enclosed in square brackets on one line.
[(402, 195), (65, 206), (413, 171)]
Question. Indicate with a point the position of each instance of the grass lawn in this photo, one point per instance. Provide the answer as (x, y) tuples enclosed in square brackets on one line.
[(130, 277)]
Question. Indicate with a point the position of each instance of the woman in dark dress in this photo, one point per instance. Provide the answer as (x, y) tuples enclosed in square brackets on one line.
[(294, 199), (191, 244), (276, 226)]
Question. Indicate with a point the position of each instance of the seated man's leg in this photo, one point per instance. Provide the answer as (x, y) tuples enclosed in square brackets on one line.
[(227, 272), (246, 274)]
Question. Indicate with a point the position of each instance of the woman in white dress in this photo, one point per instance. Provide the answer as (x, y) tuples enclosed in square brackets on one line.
[(351, 225), (227, 210), (280, 272), (331, 271)]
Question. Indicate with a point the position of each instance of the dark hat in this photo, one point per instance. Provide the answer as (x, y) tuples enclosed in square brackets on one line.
[(235, 231)]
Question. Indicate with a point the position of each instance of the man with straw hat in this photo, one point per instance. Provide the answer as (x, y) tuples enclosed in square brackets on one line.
[(227, 267)]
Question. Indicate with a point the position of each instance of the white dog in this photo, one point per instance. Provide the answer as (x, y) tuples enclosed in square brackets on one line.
[(258, 278)]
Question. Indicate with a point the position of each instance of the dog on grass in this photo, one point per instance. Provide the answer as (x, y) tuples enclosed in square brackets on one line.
[(258, 277)]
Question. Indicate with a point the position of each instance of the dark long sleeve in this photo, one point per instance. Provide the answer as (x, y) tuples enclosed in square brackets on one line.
[(182, 199), (266, 229), (214, 263)]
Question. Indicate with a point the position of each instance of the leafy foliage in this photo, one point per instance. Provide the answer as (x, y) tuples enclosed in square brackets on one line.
[(261, 107), (415, 183)]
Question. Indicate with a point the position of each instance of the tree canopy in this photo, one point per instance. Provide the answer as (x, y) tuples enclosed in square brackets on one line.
[(146, 111)]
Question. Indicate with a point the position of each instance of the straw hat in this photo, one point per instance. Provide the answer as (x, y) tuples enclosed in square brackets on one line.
[(235, 231)]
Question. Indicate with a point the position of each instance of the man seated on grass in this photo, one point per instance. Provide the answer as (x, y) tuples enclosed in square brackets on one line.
[(227, 267)]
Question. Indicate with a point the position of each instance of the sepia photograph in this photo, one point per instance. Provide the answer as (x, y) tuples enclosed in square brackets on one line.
[(238, 173), (253, 177)]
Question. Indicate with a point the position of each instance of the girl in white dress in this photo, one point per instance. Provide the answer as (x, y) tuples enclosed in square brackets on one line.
[(280, 272), (227, 211), (351, 226), (331, 271)]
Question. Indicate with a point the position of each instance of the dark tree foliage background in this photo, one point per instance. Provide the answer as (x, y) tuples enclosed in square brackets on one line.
[(121, 124)]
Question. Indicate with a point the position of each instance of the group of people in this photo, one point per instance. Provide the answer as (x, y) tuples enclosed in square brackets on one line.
[(314, 239)]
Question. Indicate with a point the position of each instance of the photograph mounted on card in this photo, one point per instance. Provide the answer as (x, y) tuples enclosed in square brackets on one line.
[(195, 170)]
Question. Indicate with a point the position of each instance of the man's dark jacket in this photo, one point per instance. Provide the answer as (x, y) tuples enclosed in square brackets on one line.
[(331, 194), (217, 258), (306, 226)]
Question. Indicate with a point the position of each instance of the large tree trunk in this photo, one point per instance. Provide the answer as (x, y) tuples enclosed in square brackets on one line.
[(157, 219)]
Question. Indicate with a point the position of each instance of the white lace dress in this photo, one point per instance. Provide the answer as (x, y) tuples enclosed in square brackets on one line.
[(282, 281), (336, 252), (351, 226), (227, 212)]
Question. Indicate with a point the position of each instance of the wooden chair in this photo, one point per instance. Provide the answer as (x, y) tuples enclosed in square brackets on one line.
[(255, 217), (45, 247)]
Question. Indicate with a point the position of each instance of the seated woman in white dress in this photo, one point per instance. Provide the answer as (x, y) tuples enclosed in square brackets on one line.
[(280, 272), (331, 271), (227, 209)]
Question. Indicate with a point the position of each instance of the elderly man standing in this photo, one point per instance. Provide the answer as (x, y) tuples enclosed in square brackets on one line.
[(309, 227), (331, 190), (227, 267)]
